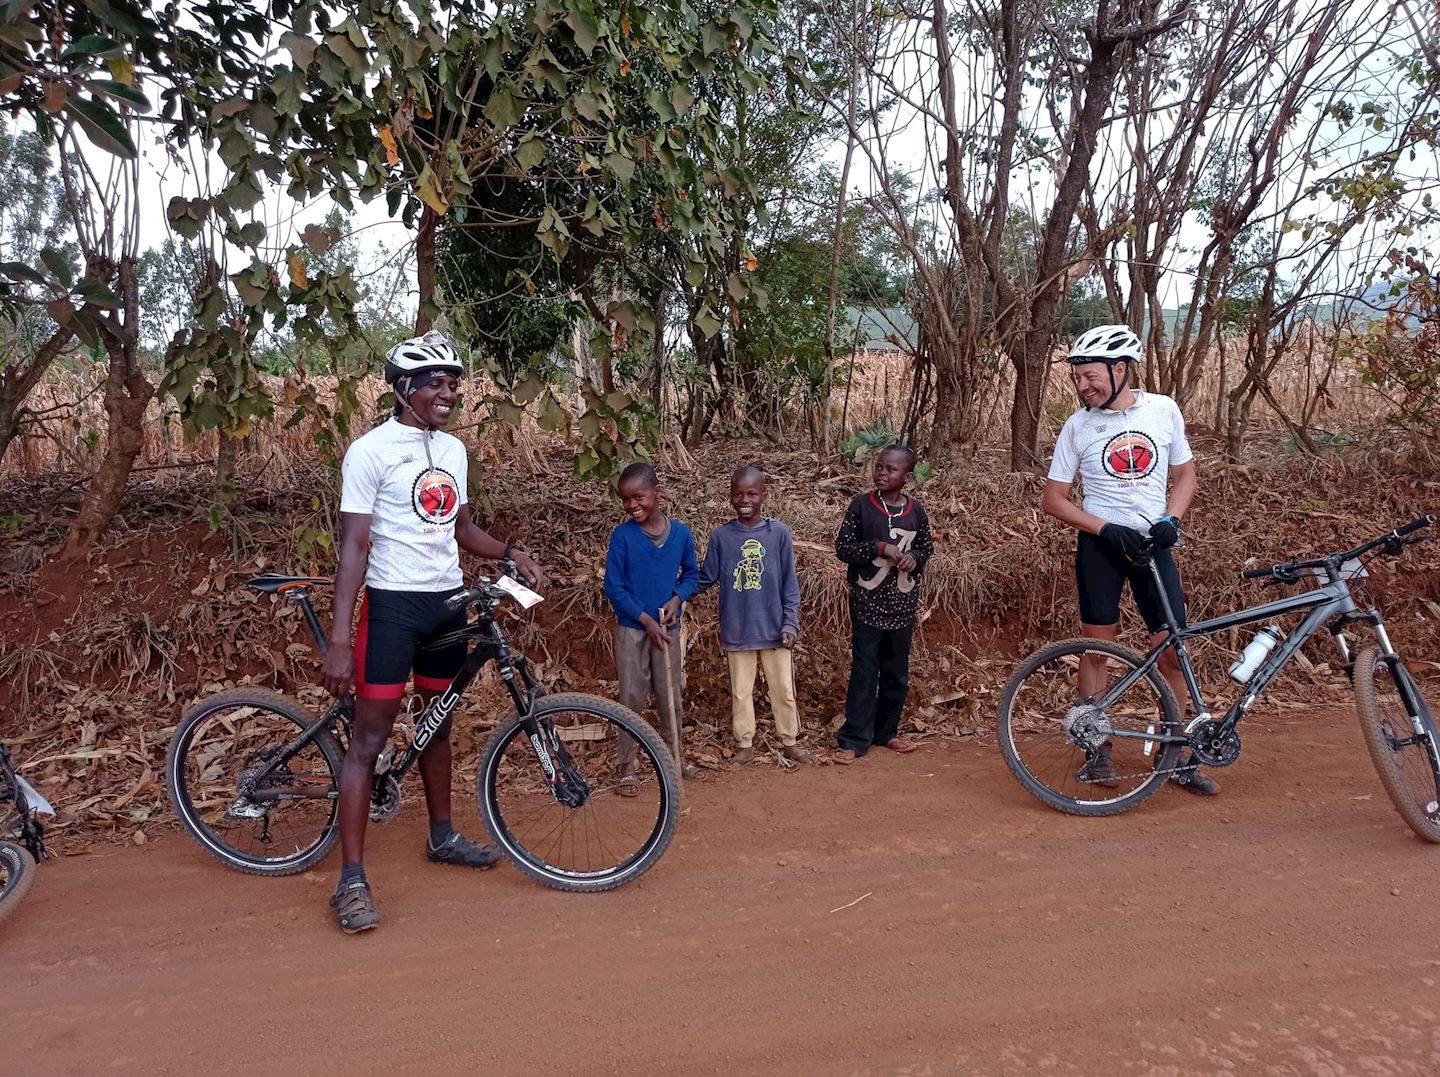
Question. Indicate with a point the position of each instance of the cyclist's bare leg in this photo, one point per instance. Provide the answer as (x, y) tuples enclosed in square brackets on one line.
[(1092, 676), (374, 719)]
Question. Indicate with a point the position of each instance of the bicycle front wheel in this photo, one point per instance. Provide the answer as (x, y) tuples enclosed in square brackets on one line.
[(247, 809), (1074, 755), (17, 874), (555, 808), (1401, 740)]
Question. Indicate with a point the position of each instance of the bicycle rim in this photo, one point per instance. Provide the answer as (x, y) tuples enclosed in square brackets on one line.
[(220, 750), (1401, 756), (608, 840), (1043, 717)]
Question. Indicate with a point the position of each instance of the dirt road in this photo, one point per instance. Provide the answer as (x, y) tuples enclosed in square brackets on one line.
[(1288, 927)]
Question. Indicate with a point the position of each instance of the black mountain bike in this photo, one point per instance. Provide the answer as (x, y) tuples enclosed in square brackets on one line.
[(254, 776), (1072, 701), (19, 806)]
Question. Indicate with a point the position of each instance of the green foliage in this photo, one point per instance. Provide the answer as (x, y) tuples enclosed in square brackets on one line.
[(869, 441)]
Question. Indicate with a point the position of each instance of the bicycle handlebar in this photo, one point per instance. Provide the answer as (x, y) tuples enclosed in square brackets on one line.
[(1287, 573), (483, 591)]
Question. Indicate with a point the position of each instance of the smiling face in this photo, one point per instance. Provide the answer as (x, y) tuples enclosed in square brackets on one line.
[(1092, 382), (892, 470), (432, 405), (747, 496), (641, 501)]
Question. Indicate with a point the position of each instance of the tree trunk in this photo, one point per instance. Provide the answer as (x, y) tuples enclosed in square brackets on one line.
[(17, 381), (425, 270), (127, 394), (1028, 400)]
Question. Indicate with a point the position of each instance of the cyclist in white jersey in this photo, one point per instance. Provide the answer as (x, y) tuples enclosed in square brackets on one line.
[(403, 523), (1129, 450)]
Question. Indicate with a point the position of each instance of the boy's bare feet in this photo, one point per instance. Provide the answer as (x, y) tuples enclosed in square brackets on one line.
[(741, 757), (901, 745), (796, 753), (842, 756)]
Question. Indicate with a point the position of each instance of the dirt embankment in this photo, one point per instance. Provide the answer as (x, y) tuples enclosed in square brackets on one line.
[(99, 658)]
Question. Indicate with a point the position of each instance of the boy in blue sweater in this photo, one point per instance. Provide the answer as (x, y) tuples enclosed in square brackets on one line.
[(752, 558), (650, 570)]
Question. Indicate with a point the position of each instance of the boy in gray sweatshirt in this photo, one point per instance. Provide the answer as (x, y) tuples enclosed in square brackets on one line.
[(752, 559)]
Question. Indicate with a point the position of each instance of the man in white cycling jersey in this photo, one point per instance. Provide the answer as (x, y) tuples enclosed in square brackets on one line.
[(403, 522), (1138, 478)]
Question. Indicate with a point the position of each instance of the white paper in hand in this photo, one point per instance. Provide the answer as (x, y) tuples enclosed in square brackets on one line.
[(519, 592)]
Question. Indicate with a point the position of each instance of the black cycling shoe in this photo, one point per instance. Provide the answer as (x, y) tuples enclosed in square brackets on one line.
[(1099, 769), (458, 849), (1189, 778), (354, 907)]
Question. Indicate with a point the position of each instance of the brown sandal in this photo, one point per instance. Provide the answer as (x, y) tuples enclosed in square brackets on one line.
[(843, 756), (901, 745), (627, 786)]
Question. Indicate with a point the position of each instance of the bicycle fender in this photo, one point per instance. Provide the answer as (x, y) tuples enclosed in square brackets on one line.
[(34, 800)]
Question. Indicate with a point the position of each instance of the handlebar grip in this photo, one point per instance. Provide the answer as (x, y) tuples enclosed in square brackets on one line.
[(1257, 573), (460, 601), (1415, 525)]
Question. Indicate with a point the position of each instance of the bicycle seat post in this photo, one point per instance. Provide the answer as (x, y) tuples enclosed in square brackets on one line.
[(303, 597), (1169, 610)]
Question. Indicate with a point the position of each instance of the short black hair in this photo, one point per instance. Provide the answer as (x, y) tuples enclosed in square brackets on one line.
[(640, 472), (749, 471), (910, 458)]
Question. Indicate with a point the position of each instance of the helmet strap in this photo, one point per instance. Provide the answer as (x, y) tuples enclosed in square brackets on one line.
[(1115, 390)]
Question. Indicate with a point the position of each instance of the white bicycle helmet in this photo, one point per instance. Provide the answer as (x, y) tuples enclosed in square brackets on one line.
[(433, 351), (1108, 344)]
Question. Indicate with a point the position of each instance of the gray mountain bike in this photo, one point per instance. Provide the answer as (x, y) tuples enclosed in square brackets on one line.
[(1072, 701)]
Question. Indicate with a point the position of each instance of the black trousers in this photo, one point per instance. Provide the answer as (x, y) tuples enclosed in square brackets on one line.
[(879, 680)]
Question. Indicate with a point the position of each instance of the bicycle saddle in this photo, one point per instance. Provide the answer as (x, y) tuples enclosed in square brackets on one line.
[(273, 583)]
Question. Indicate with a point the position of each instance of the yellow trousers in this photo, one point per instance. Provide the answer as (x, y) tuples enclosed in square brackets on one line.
[(779, 679)]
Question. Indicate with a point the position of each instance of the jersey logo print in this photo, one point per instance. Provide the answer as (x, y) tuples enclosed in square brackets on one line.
[(904, 582), (435, 498), (1130, 455), (751, 569)]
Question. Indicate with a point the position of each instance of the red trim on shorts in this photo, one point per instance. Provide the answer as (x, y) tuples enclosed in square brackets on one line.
[(432, 684), (364, 690)]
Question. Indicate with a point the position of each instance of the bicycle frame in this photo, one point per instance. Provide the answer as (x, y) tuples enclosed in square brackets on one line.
[(490, 645), (31, 832), (1331, 603)]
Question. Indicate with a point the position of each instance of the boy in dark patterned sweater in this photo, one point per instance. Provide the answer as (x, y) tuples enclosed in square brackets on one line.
[(885, 540)]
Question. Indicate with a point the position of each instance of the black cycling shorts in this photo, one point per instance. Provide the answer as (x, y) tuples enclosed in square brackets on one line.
[(390, 641), (1101, 574)]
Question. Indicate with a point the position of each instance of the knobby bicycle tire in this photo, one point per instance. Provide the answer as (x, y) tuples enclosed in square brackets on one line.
[(20, 868), (1038, 788), (1405, 791), (191, 817), (536, 866)]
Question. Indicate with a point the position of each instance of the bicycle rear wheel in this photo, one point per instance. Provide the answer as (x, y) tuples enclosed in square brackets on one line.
[(1401, 744), (1051, 736), (600, 840), (247, 813), (17, 875)]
